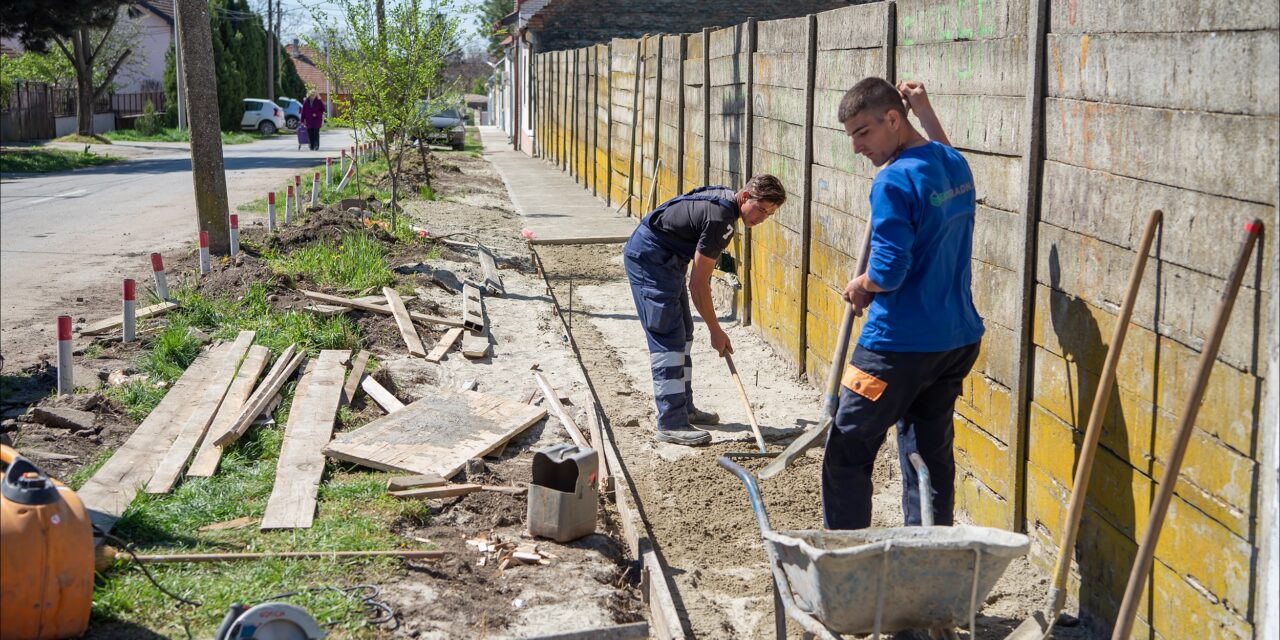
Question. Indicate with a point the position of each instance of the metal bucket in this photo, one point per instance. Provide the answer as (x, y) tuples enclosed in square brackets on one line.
[(563, 494)]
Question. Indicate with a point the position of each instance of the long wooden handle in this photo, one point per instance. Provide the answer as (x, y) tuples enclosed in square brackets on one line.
[(1160, 507), (746, 402), (289, 555), (1084, 468)]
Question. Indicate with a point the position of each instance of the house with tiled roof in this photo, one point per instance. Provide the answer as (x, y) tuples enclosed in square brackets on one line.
[(306, 62)]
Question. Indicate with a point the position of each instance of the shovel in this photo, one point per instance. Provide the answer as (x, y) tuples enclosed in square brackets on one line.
[(1040, 624), (742, 391)]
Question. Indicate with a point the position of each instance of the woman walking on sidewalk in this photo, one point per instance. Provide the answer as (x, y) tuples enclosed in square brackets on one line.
[(313, 118)]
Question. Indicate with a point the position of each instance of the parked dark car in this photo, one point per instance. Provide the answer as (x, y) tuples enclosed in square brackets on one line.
[(444, 126)]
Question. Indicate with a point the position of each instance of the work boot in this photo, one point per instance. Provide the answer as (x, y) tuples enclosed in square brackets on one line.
[(698, 416), (687, 437)]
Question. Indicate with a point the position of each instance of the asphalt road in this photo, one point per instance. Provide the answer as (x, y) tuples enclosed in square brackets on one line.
[(76, 235)]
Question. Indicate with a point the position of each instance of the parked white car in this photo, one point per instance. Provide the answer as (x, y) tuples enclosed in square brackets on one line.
[(264, 115), (292, 111)]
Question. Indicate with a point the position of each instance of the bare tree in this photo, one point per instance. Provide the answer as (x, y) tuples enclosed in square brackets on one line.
[(97, 57)]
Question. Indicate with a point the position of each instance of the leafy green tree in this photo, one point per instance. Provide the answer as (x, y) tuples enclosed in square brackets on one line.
[(491, 11), (288, 82)]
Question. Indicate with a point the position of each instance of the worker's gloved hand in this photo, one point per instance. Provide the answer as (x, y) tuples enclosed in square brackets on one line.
[(720, 342)]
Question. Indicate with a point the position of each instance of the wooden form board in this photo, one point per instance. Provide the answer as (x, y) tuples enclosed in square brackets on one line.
[(263, 396), (380, 395), (292, 504), (475, 345), (472, 307), (446, 342), (492, 279), (207, 458), (401, 314), (436, 434), (110, 491), (376, 308), (103, 326), (353, 378)]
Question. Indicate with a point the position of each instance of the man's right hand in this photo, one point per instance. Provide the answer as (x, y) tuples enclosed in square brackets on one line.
[(720, 342)]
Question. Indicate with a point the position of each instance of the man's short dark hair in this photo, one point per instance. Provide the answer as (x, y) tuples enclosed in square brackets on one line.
[(766, 188), (871, 94)]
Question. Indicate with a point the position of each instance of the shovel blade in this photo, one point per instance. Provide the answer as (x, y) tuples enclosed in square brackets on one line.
[(1034, 628)]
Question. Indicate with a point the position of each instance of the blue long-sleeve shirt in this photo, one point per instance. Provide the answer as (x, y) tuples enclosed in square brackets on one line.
[(922, 213)]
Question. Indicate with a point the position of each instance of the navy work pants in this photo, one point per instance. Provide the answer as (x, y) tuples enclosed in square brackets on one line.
[(915, 391), (657, 277)]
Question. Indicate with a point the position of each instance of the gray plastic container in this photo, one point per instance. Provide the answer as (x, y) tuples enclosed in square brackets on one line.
[(563, 494)]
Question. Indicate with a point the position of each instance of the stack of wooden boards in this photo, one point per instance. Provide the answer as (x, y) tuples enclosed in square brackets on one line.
[(219, 397)]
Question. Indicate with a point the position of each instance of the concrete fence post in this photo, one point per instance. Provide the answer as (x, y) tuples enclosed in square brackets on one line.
[(157, 269), (806, 191), (706, 105), (749, 166), (66, 383), (684, 52), (130, 326), (235, 235), (204, 252)]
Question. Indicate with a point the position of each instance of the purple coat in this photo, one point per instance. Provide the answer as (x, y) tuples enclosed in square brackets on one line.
[(313, 113)]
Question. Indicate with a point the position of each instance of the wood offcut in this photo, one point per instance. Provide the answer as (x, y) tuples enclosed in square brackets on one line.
[(472, 307), (263, 396), (376, 308), (446, 342), (401, 314), (103, 326)]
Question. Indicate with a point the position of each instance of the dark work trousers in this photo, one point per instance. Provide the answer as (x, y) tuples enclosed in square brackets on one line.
[(313, 135), (918, 393), (661, 295)]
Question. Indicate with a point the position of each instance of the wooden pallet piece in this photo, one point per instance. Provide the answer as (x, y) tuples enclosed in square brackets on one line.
[(263, 396), (492, 279), (354, 377), (475, 345), (292, 504), (446, 342), (209, 454), (404, 483), (103, 326), (472, 307), (112, 488), (401, 315), (197, 424), (436, 434), (553, 402), (453, 490), (380, 395), (376, 308)]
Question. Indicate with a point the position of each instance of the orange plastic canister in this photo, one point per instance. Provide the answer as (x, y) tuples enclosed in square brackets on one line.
[(46, 556)]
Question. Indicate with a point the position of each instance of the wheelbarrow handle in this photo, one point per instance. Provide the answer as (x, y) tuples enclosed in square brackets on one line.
[(753, 491)]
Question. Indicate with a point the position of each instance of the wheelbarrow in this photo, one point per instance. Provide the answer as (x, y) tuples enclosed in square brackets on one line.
[(881, 580)]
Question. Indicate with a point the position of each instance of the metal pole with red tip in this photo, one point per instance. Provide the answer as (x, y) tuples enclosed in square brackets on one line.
[(66, 384), (235, 235), (315, 188), (271, 211), (288, 206), (297, 195), (328, 172), (157, 267), (130, 310), (204, 252)]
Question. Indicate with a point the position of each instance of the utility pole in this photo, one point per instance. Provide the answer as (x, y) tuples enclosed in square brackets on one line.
[(271, 55), (177, 63), (208, 175)]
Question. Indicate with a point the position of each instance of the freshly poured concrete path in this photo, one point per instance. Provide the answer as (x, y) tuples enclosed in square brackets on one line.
[(555, 208)]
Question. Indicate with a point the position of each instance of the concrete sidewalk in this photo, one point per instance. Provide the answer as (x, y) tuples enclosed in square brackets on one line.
[(557, 209)]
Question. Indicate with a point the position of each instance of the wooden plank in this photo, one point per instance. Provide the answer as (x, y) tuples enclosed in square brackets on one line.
[(292, 504), (284, 367), (606, 239), (380, 395), (436, 434), (103, 326), (401, 314), (238, 523), (472, 307), (492, 279), (112, 488), (327, 309), (454, 490), (475, 345), (446, 342), (597, 441), (353, 378), (206, 407), (553, 401), (662, 607), (206, 460), (632, 631), (402, 483), (376, 308)]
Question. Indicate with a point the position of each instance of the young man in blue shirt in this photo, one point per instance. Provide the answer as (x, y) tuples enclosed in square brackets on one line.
[(922, 332)]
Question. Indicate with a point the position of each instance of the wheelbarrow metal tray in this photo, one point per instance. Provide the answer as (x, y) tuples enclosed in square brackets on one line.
[(927, 573)]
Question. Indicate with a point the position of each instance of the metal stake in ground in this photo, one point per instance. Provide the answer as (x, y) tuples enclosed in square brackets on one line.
[(130, 310), (65, 383), (204, 252), (328, 172), (315, 189), (235, 235), (271, 211), (288, 206), (157, 267)]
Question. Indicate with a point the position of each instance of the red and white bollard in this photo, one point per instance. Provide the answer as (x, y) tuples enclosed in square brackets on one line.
[(204, 252), (66, 385), (288, 206), (157, 267), (342, 162), (130, 310), (235, 235), (271, 211), (297, 202), (328, 172), (315, 189)]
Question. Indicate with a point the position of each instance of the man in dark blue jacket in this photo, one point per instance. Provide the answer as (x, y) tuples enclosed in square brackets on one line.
[(922, 332), (694, 227)]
